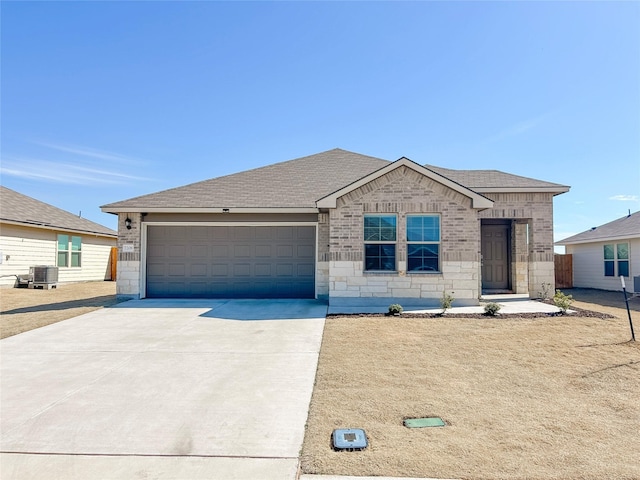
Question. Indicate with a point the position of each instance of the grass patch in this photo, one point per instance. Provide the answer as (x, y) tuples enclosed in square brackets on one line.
[(23, 309), (549, 397)]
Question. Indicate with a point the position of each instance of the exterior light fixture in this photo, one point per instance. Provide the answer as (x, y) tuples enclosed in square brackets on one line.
[(225, 210), (127, 223)]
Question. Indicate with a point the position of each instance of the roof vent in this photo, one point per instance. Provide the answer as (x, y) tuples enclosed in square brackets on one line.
[(593, 228)]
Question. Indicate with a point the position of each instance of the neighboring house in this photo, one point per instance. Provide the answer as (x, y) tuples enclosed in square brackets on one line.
[(36, 233), (343, 227), (602, 254)]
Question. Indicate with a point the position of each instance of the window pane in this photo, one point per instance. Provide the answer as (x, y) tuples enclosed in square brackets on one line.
[(414, 222), (623, 251), (623, 268), (423, 228), (380, 257), (378, 228), (371, 234), (371, 222), (63, 242), (423, 258), (608, 252), (608, 269), (76, 244), (62, 259), (388, 234), (75, 259), (432, 229)]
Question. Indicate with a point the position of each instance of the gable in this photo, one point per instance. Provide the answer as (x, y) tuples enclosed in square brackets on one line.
[(369, 182)]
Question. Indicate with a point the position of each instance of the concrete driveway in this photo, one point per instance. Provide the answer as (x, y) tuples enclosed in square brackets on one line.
[(161, 389)]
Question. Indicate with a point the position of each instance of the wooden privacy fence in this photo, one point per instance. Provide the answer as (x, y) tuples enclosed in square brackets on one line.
[(113, 263), (564, 270)]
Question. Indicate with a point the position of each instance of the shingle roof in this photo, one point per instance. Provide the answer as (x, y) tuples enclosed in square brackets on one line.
[(293, 184), (625, 227), (18, 208), (481, 180), (300, 183)]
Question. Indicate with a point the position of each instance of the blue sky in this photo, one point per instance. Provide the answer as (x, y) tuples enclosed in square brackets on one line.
[(103, 101)]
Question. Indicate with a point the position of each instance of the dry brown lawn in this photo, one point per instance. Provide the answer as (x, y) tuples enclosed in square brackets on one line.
[(544, 398), (23, 309)]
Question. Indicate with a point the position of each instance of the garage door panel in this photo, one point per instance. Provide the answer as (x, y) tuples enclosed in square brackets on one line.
[(306, 234), (156, 270), (243, 233), (177, 251), (264, 233), (263, 251), (154, 251), (241, 270), (177, 270), (231, 261), (284, 270), (263, 270), (219, 251), (305, 270), (305, 251), (199, 270), (220, 270), (175, 234), (219, 234), (199, 251), (285, 251), (242, 251), (200, 289)]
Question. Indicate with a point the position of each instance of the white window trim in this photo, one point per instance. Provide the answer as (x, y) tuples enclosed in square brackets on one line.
[(69, 250), (615, 259), (381, 242), (439, 242)]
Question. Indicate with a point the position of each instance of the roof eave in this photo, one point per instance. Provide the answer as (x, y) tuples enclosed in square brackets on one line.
[(230, 209), (58, 228), (555, 190), (598, 240), (478, 201)]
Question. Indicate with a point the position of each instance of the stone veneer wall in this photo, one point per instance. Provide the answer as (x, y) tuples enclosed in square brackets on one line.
[(322, 261), (128, 279), (536, 211), (519, 257), (402, 192)]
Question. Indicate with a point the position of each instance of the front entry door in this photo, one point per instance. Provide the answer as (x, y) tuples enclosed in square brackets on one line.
[(495, 257)]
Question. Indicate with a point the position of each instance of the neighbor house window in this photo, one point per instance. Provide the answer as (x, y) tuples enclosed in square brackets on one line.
[(616, 260), (380, 242), (69, 251), (423, 243)]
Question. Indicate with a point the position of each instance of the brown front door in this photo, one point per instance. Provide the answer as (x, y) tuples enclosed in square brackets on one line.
[(495, 257)]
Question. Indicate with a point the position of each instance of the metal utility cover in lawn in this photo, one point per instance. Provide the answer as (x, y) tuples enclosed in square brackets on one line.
[(349, 439), (424, 422)]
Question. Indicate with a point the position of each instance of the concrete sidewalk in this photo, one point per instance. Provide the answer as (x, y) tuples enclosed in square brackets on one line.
[(338, 477), (161, 389), (510, 303)]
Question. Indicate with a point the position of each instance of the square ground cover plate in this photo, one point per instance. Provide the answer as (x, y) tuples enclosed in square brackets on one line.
[(349, 439), (424, 422)]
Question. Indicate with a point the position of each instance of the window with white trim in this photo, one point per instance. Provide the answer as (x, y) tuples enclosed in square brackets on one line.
[(380, 242), (423, 243), (616, 260), (69, 251)]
